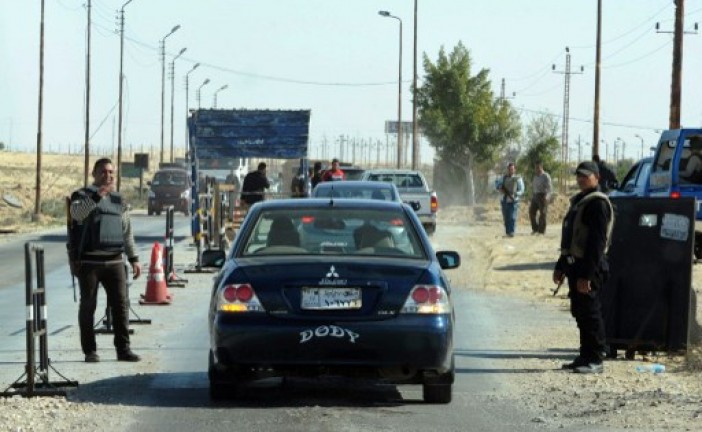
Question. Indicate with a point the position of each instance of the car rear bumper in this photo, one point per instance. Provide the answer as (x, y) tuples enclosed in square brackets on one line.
[(405, 341), (427, 219), (165, 202)]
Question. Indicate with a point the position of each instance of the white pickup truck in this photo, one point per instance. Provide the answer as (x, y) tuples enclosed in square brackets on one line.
[(414, 190)]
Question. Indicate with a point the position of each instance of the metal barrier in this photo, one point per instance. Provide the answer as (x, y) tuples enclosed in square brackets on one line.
[(172, 279), (37, 382), (106, 319)]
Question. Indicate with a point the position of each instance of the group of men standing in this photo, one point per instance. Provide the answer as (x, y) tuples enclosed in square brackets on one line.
[(302, 185), (512, 188)]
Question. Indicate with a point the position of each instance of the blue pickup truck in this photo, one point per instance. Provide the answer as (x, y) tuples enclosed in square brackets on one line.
[(676, 173), (635, 181)]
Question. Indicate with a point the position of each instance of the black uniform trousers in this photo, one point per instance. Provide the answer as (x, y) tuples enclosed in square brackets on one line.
[(587, 311), (113, 278)]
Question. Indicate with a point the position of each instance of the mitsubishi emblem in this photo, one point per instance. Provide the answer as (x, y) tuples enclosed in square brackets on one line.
[(332, 273)]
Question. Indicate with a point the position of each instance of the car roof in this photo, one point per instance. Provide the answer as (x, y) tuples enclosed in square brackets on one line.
[(355, 184), (392, 171), (173, 169), (326, 202)]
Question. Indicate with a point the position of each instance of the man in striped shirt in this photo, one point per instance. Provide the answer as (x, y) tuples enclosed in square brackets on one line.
[(102, 234)]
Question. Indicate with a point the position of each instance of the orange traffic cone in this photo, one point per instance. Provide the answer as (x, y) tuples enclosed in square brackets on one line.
[(156, 289)]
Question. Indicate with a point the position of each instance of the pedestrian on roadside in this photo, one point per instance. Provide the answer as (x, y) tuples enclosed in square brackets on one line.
[(255, 184), (335, 173), (540, 196), (316, 174), (101, 234), (608, 180), (585, 236), (512, 187), (297, 185)]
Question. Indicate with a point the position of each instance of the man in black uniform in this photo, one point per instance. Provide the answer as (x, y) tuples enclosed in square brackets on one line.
[(585, 236), (102, 233), (607, 179), (254, 185)]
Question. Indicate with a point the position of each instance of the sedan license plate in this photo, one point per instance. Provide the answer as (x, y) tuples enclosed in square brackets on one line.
[(331, 298)]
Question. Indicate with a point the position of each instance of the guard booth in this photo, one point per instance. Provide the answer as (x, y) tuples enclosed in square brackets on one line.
[(219, 135), (648, 300)]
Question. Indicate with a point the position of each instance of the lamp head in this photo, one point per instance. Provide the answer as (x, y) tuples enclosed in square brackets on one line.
[(182, 51), (175, 29), (384, 13), (207, 80)]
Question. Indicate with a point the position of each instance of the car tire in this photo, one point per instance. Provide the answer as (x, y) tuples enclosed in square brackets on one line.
[(219, 388), (150, 211), (430, 229), (439, 390), (437, 393)]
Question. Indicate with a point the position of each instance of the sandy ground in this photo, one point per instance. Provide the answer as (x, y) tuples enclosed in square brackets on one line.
[(620, 398)]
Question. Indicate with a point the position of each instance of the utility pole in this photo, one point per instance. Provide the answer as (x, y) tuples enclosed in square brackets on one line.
[(503, 95), (566, 115), (121, 82), (676, 86), (37, 201), (598, 61), (415, 134), (676, 82), (86, 165)]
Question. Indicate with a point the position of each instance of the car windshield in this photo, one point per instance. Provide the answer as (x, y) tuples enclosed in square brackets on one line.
[(170, 179), (400, 180), (337, 191), (339, 231)]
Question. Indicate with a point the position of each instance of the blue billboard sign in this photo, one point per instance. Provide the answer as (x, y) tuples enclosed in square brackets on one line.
[(218, 134)]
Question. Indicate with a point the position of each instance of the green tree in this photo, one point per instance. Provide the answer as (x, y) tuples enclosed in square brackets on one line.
[(542, 145), (462, 119), (2, 145)]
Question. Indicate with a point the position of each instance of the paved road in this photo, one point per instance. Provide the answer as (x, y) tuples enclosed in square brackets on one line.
[(168, 389)]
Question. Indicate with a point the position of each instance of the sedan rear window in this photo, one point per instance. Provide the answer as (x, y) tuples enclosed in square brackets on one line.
[(340, 231)]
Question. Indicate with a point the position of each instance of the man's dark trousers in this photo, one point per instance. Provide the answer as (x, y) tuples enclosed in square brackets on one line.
[(587, 311), (113, 277)]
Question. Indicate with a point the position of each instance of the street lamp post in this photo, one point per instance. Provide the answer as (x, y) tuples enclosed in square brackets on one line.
[(399, 91), (642, 144), (214, 97), (121, 81), (415, 133), (172, 70), (204, 83), (187, 106), (163, 82)]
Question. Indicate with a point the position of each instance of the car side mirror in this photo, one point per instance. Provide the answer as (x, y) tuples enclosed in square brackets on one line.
[(213, 258), (448, 259)]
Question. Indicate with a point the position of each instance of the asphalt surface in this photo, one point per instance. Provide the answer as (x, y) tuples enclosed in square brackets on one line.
[(169, 388)]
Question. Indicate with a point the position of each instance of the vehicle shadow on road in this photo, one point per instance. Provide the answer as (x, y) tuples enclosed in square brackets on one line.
[(188, 390), (550, 354), (527, 266)]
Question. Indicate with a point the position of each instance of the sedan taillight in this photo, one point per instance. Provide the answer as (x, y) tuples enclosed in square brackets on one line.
[(238, 298), (434, 203), (427, 299)]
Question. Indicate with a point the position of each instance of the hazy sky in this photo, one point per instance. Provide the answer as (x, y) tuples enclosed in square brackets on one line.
[(340, 60)]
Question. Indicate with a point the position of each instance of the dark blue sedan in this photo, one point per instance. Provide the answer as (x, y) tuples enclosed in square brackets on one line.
[(291, 301)]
